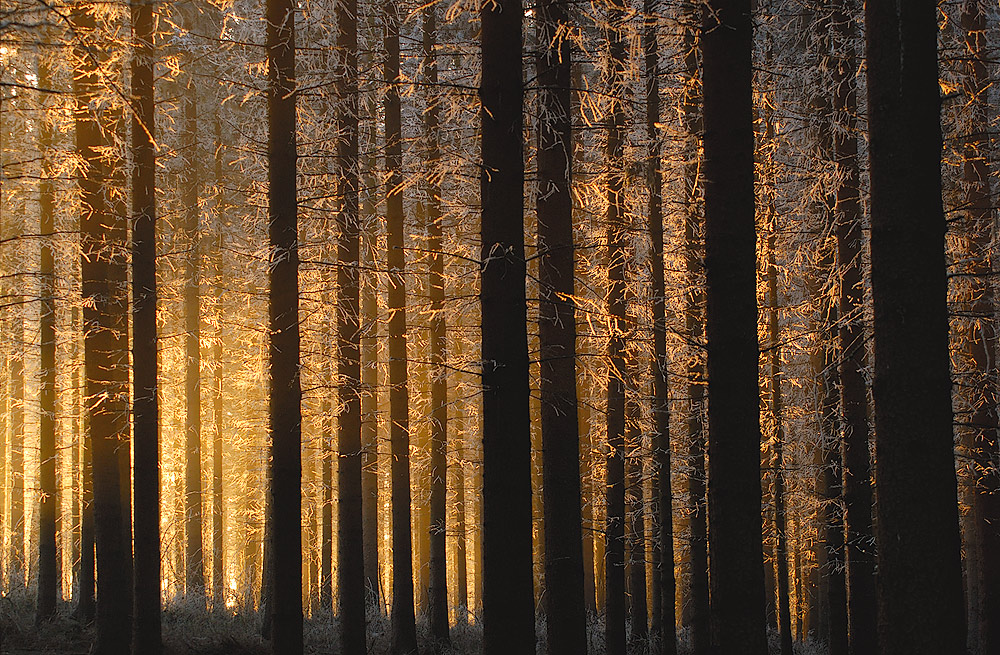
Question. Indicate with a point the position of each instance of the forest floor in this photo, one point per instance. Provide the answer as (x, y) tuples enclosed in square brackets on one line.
[(188, 629)]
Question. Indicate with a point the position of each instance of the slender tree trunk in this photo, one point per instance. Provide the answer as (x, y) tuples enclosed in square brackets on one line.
[(350, 543), (86, 609), (404, 631), (982, 333), (16, 567), (369, 405), (327, 454), (920, 603), (76, 447), (694, 306), (565, 614), (857, 491), (664, 587), (194, 565), (614, 559), (48, 570), (461, 525), (145, 404), (508, 609), (737, 580), (218, 385), (105, 317), (777, 415), (285, 424), (438, 587), (634, 512)]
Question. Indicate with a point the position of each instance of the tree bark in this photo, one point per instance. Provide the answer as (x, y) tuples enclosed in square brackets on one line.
[(194, 561), (218, 384), (737, 580), (105, 316), (694, 300), (48, 570), (404, 631), (508, 601), (664, 584), (857, 491), (350, 543), (981, 334), (614, 559), (565, 614), (778, 443), (919, 564), (438, 587), (145, 403), (285, 410)]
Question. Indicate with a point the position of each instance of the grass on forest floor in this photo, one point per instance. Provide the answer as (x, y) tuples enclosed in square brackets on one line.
[(188, 629)]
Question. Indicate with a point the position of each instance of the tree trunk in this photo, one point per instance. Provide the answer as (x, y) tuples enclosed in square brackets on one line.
[(508, 601), (777, 416), (105, 316), (982, 333), (614, 559), (285, 411), (404, 631), (194, 565), (693, 319), (218, 512), (145, 403), (857, 491), (86, 608), (737, 580), (48, 570), (664, 586), (438, 587), (350, 542), (919, 563), (565, 614), (634, 511)]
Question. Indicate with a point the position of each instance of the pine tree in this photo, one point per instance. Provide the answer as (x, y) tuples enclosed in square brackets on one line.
[(919, 563), (508, 599), (734, 522)]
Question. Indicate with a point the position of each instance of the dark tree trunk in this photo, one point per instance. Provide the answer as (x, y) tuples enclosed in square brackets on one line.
[(829, 602), (634, 511), (981, 336), (778, 443), (737, 579), (194, 568), (350, 543), (508, 600), (369, 409), (919, 563), (326, 454), (664, 584), (461, 526), (404, 631), (565, 615), (145, 404), (859, 553), (86, 608), (285, 516), (370, 378), (614, 536), (693, 319), (438, 584), (48, 570), (105, 317)]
